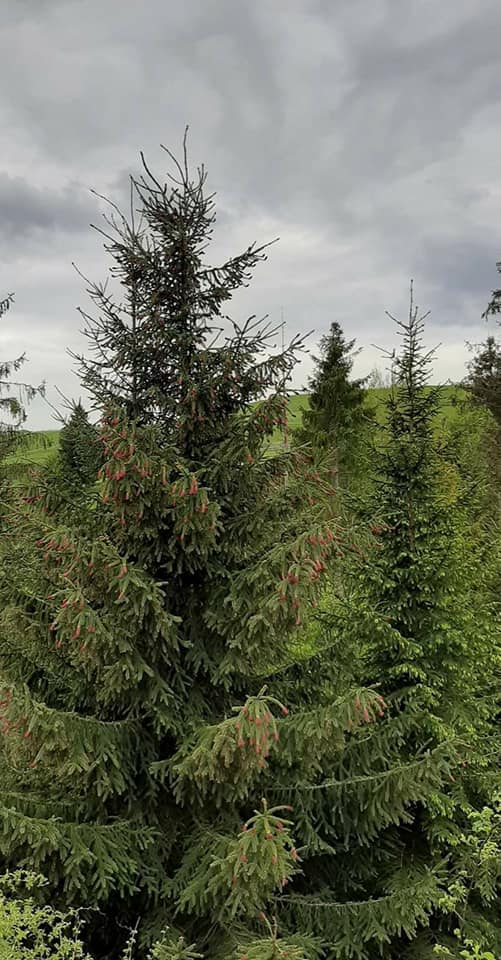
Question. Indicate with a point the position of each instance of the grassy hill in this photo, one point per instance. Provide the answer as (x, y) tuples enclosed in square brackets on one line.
[(450, 408), (44, 445), (45, 442), (449, 411)]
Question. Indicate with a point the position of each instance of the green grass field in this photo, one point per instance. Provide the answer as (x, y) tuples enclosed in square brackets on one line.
[(45, 442), (452, 397), (36, 448), (449, 410)]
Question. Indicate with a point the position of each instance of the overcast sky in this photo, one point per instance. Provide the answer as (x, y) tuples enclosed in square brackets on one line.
[(365, 134)]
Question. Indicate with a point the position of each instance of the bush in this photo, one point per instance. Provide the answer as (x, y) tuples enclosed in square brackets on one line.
[(29, 931)]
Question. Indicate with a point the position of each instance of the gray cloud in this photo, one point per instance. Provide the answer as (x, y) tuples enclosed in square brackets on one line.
[(366, 136), (26, 209)]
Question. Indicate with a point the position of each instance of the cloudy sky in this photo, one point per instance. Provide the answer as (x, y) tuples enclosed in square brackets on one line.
[(364, 133)]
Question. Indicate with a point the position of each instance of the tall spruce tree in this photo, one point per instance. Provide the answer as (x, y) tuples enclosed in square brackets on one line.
[(129, 632), (335, 417), (419, 620), (167, 752), (389, 752)]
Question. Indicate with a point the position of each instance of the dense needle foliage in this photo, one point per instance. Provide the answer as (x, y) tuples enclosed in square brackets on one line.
[(133, 621), (336, 420), (79, 449), (173, 754)]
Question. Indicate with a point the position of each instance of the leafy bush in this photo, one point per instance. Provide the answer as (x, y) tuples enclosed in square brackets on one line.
[(30, 931)]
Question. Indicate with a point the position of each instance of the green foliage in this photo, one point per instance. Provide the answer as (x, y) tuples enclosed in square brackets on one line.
[(336, 417), (484, 377), (334, 400), (29, 931), (471, 951), (13, 395), (79, 450), (167, 751), (136, 616), (416, 617), (473, 892), (174, 949)]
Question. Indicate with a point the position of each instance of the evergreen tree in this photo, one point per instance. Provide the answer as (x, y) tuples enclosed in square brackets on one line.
[(158, 353), (79, 448), (483, 384), (389, 751), (494, 305), (169, 751), (132, 628), (420, 616), (12, 412), (484, 377), (335, 417), (13, 397)]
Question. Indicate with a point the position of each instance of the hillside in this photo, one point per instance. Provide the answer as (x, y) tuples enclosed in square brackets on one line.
[(450, 408), (45, 442), (452, 396)]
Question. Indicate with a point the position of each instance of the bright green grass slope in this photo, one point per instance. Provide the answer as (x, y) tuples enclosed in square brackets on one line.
[(39, 451), (450, 407), (45, 443)]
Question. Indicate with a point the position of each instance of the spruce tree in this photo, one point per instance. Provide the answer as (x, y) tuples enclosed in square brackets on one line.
[(494, 306), (483, 384), (388, 753), (417, 618), (132, 630), (79, 448), (335, 418), (13, 398), (484, 377), (12, 412), (169, 751)]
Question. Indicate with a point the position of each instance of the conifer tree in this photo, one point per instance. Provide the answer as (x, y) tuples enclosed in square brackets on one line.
[(12, 412), (79, 448), (370, 767), (420, 615), (335, 418), (484, 377), (483, 383), (13, 397), (168, 751), (130, 630), (494, 306)]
